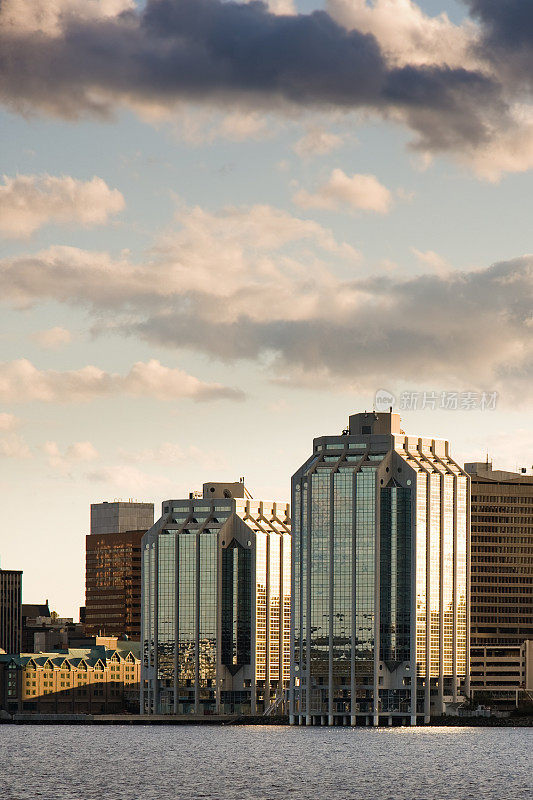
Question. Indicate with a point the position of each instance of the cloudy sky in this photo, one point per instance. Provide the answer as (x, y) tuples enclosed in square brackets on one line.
[(224, 227)]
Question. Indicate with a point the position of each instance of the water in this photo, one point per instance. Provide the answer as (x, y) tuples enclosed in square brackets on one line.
[(56, 762)]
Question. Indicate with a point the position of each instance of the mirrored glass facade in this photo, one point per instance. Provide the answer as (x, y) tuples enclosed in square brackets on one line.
[(380, 537), (216, 604)]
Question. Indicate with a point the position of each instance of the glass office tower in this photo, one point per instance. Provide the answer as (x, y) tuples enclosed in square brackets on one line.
[(380, 590), (216, 594)]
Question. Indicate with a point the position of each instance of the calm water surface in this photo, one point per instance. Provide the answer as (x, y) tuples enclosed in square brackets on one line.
[(49, 762)]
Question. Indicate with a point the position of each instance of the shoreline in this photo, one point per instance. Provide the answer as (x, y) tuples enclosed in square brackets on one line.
[(136, 719)]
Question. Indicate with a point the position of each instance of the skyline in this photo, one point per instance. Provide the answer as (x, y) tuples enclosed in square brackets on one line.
[(200, 271)]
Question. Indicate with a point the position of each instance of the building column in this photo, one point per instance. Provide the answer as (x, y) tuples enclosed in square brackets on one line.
[(308, 603), (155, 683), (331, 606), (468, 556), (266, 693), (197, 628), (176, 620), (377, 600), (427, 682), (454, 633), (440, 703), (353, 683)]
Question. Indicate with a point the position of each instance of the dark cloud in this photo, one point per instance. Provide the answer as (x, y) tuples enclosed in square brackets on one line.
[(471, 327), (507, 34), (508, 22), (224, 52)]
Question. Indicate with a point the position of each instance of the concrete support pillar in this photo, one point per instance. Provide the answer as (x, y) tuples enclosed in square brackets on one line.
[(331, 719), (353, 720), (389, 721)]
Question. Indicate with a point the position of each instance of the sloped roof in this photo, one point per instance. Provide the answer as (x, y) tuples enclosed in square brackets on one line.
[(90, 656), (35, 610)]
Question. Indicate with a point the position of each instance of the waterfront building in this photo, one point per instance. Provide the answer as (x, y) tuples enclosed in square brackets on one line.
[(216, 605), (103, 679), (10, 610), (501, 581), (113, 568), (380, 591)]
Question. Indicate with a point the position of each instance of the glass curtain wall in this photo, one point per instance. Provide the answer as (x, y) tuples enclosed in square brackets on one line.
[(365, 535), (166, 620), (187, 622), (343, 500), (207, 625), (320, 587)]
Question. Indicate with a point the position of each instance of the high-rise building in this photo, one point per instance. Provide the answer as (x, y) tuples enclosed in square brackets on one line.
[(121, 517), (10, 610), (113, 568), (501, 578), (380, 592), (216, 605)]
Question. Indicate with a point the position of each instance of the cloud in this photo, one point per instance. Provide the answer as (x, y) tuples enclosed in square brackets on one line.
[(21, 381), (48, 17), (500, 47), (278, 6), (14, 446), (360, 192), (225, 254), (317, 142), (75, 62), (432, 260), (27, 202), (8, 422), (407, 35), (507, 33), (74, 454), (243, 285), (52, 338), (197, 125)]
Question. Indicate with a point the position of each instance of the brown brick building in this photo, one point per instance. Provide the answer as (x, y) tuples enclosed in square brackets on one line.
[(501, 578), (113, 568)]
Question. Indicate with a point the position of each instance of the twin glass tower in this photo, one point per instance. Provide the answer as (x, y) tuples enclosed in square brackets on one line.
[(380, 590), (380, 558)]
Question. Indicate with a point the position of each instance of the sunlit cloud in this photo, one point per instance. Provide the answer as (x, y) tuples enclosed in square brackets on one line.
[(21, 381), (28, 202), (356, 192)]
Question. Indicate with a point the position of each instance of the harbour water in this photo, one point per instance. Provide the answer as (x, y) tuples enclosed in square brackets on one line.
[(77, 762)]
